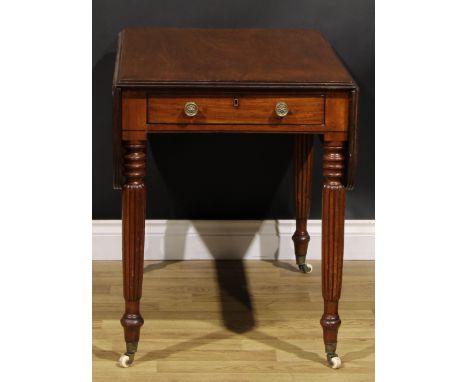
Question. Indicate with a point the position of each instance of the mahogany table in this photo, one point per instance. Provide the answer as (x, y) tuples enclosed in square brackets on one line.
[(281, 81)]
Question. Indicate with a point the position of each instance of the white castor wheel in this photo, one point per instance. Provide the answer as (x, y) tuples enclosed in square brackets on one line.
[(305, 268), (334, 362), (125, 360)]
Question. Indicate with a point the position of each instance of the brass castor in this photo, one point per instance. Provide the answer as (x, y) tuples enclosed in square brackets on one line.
[(305, 268), (127, 358)]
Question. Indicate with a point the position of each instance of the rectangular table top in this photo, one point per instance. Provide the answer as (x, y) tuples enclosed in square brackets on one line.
[(231, 58)]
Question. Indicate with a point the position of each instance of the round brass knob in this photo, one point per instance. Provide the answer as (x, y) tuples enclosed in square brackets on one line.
[(281, 109), (191, 109)]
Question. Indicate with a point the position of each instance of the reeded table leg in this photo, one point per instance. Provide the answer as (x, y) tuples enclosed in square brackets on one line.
[(133, 238), (333, 214), (303, 161)]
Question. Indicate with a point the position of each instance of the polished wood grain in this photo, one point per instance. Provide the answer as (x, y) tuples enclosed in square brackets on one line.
[(248, 61), (303, 162), (337, 113), (158, 70), (326, 113), (259, 109), (352, 139), (190, 306), (175, 57), (235, 128), (134, 109), (133, 236), (333, 217), (117, 178)]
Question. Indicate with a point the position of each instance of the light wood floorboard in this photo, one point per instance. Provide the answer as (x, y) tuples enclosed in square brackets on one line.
[(233, 321)]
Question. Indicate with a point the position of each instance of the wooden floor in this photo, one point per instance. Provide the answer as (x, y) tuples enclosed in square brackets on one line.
[(233, 321)]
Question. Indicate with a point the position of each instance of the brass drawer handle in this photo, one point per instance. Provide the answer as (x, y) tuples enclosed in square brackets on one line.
[(191, 109), (281, 109)]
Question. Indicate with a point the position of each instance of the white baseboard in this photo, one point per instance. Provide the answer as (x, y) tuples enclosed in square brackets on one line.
[(228, 239)]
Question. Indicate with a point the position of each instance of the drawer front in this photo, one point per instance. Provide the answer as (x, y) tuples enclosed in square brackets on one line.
[(308, 110)]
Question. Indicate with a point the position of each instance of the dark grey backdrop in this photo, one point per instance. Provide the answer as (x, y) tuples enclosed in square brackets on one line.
[(230, 176)]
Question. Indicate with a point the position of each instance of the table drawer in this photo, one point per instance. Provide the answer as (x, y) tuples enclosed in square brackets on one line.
[(308, 110)]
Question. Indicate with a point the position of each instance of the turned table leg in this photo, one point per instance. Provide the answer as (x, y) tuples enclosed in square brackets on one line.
[(133, 238), (303, 161), (333, 215)]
